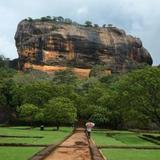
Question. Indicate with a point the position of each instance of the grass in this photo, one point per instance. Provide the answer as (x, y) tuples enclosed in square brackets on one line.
[(17, 153), (22, 153), (117, 138), (132, 139), (101, 139), (125, 138), (49, 136), (131, 154)]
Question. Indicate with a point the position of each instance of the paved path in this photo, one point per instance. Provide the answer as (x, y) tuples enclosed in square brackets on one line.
[(75, 147)]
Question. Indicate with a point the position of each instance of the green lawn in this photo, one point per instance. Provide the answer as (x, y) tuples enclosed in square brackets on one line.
[(131, 154), (119, 138), (101, 139), (152, 137), (125, 138), (49, 136), (17, 153), (23, 153), (132, 139)]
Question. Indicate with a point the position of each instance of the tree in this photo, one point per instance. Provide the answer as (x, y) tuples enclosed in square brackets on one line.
[(54, 19), (94, 94), (96, 25), (4, 62), (60, 19), (67, 76), (109, 109), (48, 17), (6, 97), (68, 21), (37, 93), (75, 23), (31, 76), (100, 116), (87, 111), (140, 90), (110, 25), (30, 19), (45, 19), (60, 111), (27, 112), (109, 79), (98, 71), (88, 24), (104, 25), (39, 117)]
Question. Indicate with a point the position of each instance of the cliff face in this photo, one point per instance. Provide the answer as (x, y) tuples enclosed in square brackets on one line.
[(46, 44)]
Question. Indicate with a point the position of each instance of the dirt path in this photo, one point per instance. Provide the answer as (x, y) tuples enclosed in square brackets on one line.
[(75, 147)]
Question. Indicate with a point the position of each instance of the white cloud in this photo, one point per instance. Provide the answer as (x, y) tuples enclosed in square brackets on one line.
[(82, 10), (7, 48)]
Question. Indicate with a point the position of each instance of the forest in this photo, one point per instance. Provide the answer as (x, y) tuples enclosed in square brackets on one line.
[(117, 101)]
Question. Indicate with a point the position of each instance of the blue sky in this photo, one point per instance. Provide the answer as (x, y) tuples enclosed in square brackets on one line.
[(141, 18)]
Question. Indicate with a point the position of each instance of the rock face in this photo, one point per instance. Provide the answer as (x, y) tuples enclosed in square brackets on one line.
[(42, 45)]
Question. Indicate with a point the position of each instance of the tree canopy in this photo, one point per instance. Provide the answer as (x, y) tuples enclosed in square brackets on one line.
[(60, 111), (129, 100)]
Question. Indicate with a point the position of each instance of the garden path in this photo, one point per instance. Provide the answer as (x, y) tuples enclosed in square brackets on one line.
[(75, 147)]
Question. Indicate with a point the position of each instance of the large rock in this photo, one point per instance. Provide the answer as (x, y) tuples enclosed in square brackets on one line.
[(46, 44)]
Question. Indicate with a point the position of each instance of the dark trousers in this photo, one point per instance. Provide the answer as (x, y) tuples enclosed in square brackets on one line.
[(89, 134)]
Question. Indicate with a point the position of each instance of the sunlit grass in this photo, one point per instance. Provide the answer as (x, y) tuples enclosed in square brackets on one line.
[(23, 153), (17, 153), (131, 154), (119, 138), (48, 135)]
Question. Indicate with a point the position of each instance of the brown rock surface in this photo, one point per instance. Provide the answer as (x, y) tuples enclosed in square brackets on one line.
[(52, 43)]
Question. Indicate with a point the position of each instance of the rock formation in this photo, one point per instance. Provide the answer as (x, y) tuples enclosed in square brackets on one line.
[(50, 46)]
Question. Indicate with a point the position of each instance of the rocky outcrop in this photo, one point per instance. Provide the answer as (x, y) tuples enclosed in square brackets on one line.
[(53, 44)]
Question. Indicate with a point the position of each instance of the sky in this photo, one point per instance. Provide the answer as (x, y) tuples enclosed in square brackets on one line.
[(140, 18)]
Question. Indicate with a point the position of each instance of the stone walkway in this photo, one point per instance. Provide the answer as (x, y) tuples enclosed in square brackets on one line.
[(75, 147)]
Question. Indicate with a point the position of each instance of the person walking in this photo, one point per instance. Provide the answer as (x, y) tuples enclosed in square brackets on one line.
[(89, 126)]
